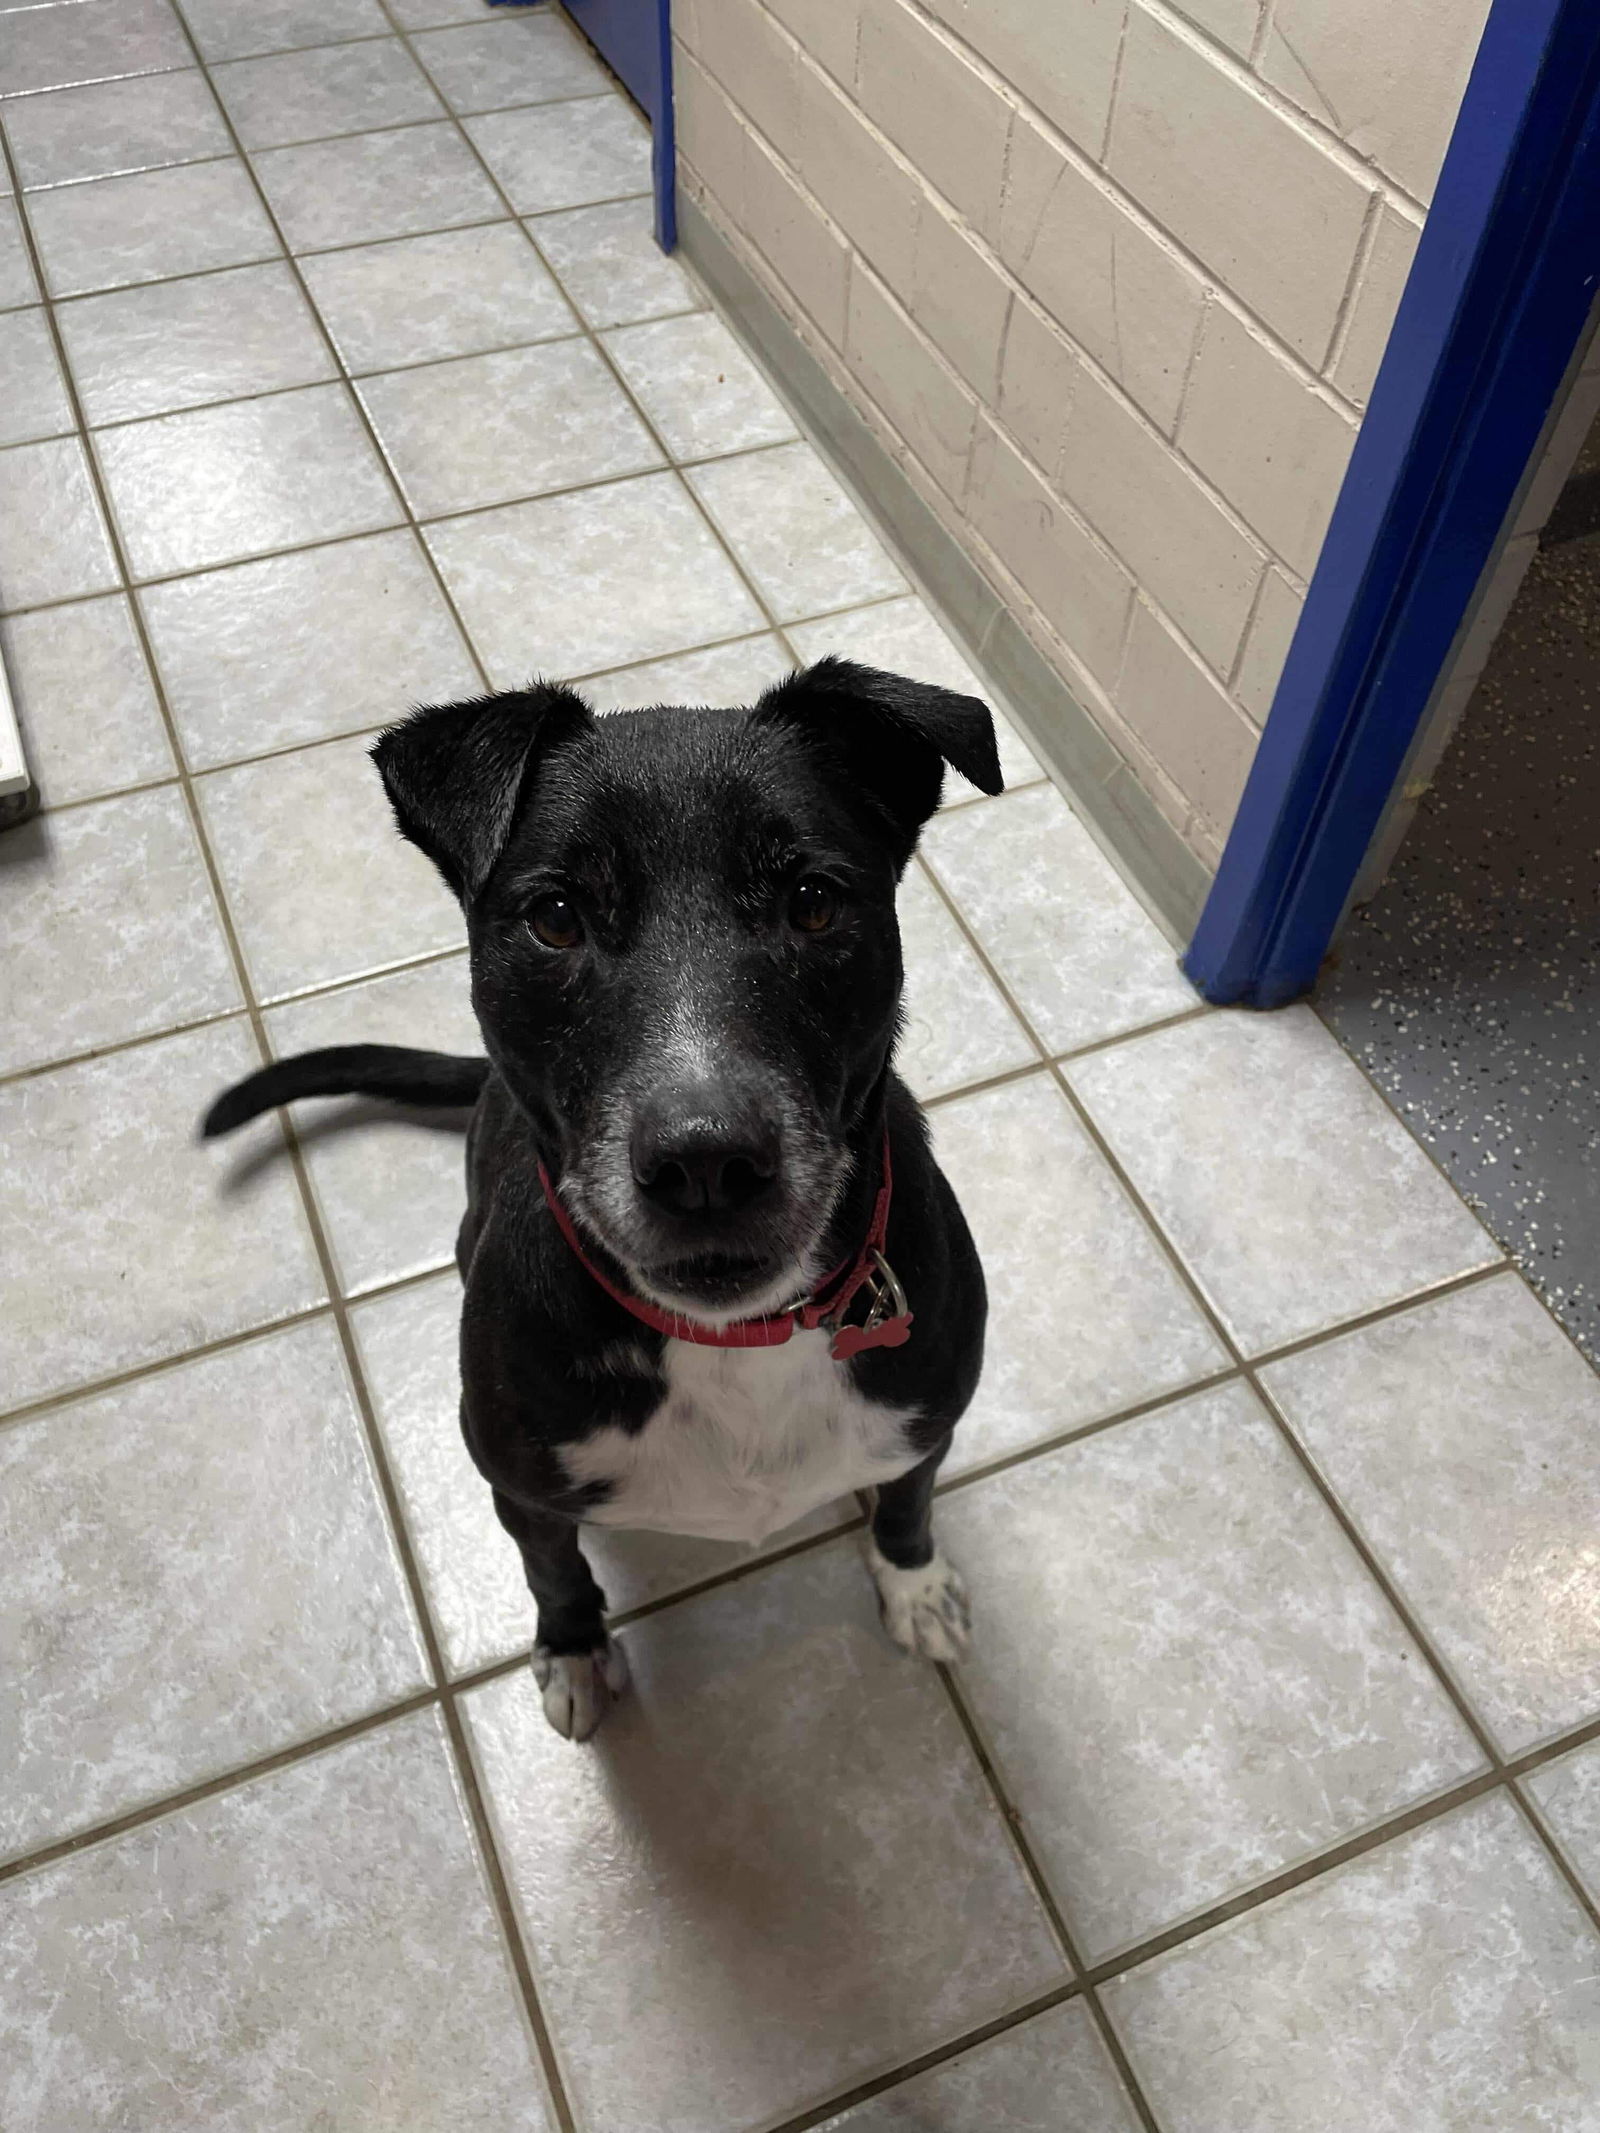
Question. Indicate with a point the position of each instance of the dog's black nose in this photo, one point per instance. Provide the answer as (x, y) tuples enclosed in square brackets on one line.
[(696, 1152)]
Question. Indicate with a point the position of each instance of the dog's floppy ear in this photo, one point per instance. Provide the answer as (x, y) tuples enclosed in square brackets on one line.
[(889, 736), (455, 772)]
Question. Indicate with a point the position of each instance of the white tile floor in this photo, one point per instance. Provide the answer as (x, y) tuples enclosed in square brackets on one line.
[(1270, 1798)]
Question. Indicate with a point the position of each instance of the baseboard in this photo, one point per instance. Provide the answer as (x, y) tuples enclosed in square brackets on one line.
[(1099, 781)]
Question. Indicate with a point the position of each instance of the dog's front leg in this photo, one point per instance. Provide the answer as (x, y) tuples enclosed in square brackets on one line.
[(923, 1600), (578, 1668)]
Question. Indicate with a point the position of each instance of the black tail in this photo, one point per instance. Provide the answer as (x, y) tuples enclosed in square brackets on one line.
[(392, 1070)]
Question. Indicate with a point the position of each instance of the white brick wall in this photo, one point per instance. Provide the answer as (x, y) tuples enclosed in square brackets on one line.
[(1111, 280)]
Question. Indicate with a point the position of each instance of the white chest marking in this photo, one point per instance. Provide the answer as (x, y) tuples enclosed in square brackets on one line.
[(746, 1441)]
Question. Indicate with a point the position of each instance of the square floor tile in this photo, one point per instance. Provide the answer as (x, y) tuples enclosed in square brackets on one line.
[(317, 1946), (376, 185), (301, 647), (53, 540), (571, 584), (734, 673), (108, 928), (1293, 1193), (523, 59), (1448, 1981), (17, 282), (236, 29), (793, 528), (216, 1525), (565, 155), (1086, 1315), (115, 127), (179, 344), (486, 429), (1186, 1676), (320, 883), (219, 483), (1568, 1794), (89, 717), (340, 88), (391, 1183), (805, 1881), (957, 1027), (35, 403), (611, 266), (698, 386), (1052, 2072), (902, 637), (473, 1573), (416, 299), (150, 227), (133, 1240), (53, 47), (1077, 949), (1464, 1438)]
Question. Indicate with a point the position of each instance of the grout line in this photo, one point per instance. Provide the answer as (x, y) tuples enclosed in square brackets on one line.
[(980, 1088), (1448, 1286), (191, 1795), (595, 338), (884, 2084), (1247, 1367), (407, 520), (141, 1038), (1534, 1815), (318, 251), (440, 117), (447, 1692), (1543, 1833), (1012, 1816), (1461, 1794), (338, 1306), (504, 1905), (1095, 1426), (52, 1402)]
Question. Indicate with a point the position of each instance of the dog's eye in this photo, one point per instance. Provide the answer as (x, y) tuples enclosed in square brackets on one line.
[(814, 905), (555, 921)]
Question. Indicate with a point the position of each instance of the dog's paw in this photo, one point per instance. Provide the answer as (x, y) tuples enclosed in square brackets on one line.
[(926, 1611), (578, 1688)]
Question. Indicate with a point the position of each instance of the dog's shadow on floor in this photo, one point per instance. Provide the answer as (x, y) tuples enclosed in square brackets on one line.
[(334, 1122)]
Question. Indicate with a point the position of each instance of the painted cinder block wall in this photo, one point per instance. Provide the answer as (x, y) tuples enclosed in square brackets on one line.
[(1110, 281)]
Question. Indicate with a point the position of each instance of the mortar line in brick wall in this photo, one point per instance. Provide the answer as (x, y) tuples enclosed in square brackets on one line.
[(1321, 135), (1258, 43), (1087, 689), (1360, 267), (1087, 168), (1112, 101), (1170, 447), (1243, 646)]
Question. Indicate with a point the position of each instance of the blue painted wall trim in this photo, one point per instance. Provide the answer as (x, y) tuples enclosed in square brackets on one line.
[(634, 37), (1502, 283)]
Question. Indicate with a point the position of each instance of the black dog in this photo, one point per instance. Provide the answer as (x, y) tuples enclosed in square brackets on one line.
[(687, 970)]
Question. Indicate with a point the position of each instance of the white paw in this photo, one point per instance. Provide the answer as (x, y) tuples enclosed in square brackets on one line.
[(925, 1611), (578, 1688)]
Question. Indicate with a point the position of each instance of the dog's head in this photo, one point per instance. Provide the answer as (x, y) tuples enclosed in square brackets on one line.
[(685, 959)]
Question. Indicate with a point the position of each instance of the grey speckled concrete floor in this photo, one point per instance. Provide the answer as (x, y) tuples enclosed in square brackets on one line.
[(1469, 988)]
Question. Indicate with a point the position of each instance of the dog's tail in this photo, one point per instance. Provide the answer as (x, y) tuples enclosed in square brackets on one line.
[(391, 1070)]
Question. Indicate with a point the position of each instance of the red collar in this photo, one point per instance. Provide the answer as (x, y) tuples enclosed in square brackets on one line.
[(886, 1325)]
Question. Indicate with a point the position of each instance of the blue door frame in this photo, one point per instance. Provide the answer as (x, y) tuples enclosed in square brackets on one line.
[(1504, 278), (634, 38)]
